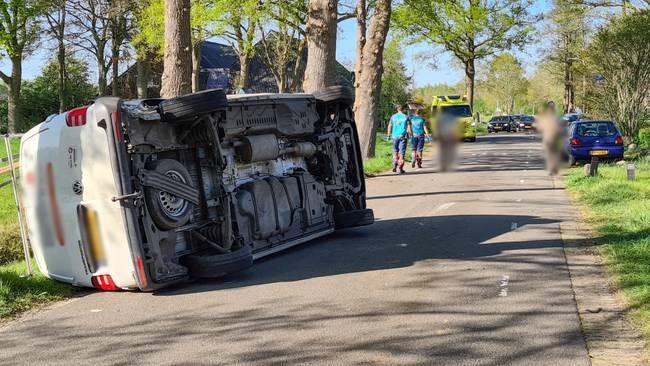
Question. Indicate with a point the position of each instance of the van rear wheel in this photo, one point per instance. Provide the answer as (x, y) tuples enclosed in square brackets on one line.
[(211, 265)]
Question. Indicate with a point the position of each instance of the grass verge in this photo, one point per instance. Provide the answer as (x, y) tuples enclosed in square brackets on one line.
[(383, 159), (19, 294), (619, 210)]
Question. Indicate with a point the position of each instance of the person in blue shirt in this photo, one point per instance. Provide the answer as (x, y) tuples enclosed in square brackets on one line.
[(419, 135), (399, 128)]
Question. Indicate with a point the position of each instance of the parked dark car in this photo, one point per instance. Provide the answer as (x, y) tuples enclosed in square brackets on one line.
[(524, 122), (594, 138), (501, 124)]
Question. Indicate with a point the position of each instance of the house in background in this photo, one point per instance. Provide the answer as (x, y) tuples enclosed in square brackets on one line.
[(219, 69)]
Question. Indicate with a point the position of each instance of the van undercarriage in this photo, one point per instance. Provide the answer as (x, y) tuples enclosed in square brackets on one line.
[(219, 182)]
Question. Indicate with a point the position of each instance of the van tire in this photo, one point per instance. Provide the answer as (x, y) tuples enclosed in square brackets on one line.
[(152, 196), (209, 265), (191, 105), (346, 219), (336, 93)]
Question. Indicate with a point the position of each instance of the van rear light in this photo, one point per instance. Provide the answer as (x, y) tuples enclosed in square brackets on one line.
[(619, 140), (575, 142), (76, 117), (104, 283)]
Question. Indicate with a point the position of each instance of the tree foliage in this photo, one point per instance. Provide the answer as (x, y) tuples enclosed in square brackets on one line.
[(470, 30), (505, 81), (395, 82), (620, 57), (39, 97)]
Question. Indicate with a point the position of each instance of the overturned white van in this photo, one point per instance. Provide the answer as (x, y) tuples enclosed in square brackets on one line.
[(143, 194)]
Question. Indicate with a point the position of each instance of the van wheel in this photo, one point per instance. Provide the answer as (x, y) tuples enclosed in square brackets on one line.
[(166, 210), (354, 218), (210, 265), (191, 105), (337, 93)]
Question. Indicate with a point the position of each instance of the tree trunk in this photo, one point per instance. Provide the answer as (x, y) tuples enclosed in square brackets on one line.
[(361, 39), (177, 73), (143, 69), (62, 76), (13, 97), (60, 33), (321, 49), (470, 74), (569, 93), (196, 64), (368, 81), (115, 56), (102, 70), (244, 71)]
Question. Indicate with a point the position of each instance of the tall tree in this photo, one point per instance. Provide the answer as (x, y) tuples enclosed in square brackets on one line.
[(283, 44), (241, 19), (56, 20), (620, 57), (369, 70), (92, 34), (544, 86), (505, 80), (394, 83), (39, 95), (471, 30), (120, 22), (207, 19), (321, 44), (569, 30), (18, 32), (177, 60)]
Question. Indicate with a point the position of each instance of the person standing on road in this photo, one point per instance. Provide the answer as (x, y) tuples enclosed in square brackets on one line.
[(420, 133), (399, 127), (548, 125)]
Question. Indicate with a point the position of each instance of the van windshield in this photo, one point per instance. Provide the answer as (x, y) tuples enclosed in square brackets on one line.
[(458, 110), (596, 129)]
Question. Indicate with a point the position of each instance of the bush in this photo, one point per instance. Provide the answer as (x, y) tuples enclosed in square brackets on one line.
[(644, 138), (10, 246)]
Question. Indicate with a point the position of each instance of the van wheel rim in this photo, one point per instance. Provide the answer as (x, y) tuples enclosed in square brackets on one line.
[(173, 206)]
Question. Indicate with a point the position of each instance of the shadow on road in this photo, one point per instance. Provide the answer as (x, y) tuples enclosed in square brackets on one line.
[(384, 245)]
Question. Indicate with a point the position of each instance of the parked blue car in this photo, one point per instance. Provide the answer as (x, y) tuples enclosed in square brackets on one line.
[(594, 138)]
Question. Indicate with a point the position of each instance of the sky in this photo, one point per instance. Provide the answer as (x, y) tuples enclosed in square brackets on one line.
[(446, 71)]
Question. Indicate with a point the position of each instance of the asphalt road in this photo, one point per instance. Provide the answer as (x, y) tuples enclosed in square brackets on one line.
[(462, 268)]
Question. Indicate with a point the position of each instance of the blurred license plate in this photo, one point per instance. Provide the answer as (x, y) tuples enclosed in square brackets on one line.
[(599, 152), (497, 127)]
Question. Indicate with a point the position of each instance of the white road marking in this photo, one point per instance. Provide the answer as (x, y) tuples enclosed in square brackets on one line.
[(403, 245), (518, 199), (522, 181), (445, 206), (513, 226), (503, 286), (95, 310)]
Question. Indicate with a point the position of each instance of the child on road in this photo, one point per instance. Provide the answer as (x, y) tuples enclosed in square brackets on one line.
[(399, 128), (420, 133)]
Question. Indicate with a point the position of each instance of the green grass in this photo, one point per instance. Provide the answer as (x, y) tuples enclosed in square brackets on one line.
[(15, 146), (383, 159), (619, 211), (18, 294)]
